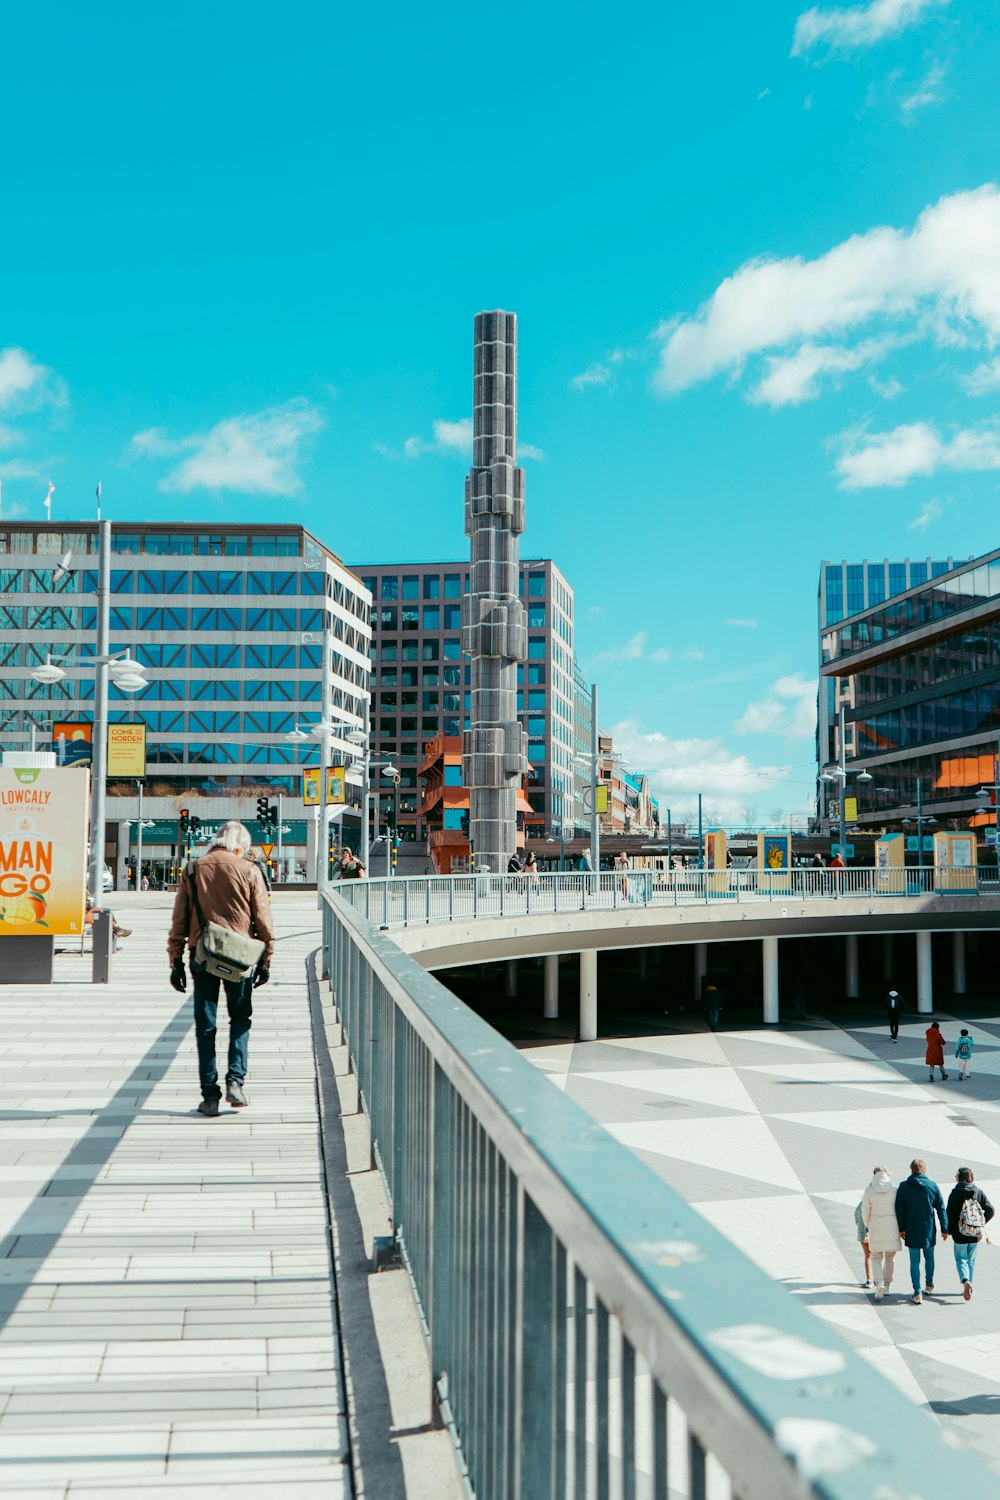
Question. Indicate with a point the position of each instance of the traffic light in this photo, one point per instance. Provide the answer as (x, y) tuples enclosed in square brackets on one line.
[(194, 828), (272, 815), (183, 821), (262, 811)]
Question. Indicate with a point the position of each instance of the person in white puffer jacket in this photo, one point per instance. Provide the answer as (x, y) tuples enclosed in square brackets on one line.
[(878, 1210)]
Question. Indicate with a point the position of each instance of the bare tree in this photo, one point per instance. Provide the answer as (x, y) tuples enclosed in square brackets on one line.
[(748, 816), (777, 816)]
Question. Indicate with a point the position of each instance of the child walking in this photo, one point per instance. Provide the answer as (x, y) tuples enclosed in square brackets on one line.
[(963, 1051)]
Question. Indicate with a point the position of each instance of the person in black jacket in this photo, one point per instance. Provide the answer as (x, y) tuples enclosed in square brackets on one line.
[(966, 1243), (918, 1201), (894, 1010)]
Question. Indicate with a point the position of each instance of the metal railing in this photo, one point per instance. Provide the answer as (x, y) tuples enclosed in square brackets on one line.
[(446, 898), (590, 1336)]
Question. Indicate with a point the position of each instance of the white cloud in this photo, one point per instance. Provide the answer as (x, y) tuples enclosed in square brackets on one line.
[(741, 624), (983, 379), (530, 450), (887, 389), (597, 374), (693, 655), (256, 454), (794, 378), (916, 450), (931, 510), (26, 385), (857, 25), (596, 612), (10, 437), (17, 468), (928, 91), (679, 769), (936, 280), (787, 708), (634, 649)]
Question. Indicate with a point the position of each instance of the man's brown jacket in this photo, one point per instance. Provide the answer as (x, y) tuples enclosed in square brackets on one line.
[(231, 891)]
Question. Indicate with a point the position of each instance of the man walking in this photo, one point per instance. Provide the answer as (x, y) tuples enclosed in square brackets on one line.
[(229, 889), (894, 1009), (918, 1200), (969, 1212)]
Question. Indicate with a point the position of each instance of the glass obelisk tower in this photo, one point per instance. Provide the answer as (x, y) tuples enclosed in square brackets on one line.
[(494, 632)]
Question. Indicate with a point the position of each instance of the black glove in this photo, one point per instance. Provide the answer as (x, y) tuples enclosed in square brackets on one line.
[(177, 976), (262, 975)]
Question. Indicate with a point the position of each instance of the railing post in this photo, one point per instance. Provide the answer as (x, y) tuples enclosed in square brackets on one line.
[(535, 1406), (406, 903)]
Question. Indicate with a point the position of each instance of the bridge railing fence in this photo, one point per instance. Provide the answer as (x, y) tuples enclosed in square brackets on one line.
[(590, 1335), (414, 900)]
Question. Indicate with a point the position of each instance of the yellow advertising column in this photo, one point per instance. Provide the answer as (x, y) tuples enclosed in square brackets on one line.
[(955, 862), (774, 862), (717, 880), (890, 865)]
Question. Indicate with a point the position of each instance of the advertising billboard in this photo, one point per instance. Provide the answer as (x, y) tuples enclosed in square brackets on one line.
[(43, 851), (335, 792), (72, 743), (126, 750)]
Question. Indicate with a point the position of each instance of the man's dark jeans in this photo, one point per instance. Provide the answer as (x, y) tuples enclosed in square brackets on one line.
[(239, 997)]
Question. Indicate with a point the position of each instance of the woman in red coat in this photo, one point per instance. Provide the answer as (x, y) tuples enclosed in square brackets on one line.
[(935, 1049)]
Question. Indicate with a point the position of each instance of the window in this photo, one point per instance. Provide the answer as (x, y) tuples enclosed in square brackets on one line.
[(452, 703), (430, 701), (432, 586), (536, 585), (453, 585), (536, 700), (537, 674), (453, 775), (390, 588), (411, 586), (432, 617), (536, 646), (452, 617), (408, 676), (429, 651), (388, 618), (536, 726), (453, 676), (536, 616), (536, 754), (411, 618), (125, 542), (431, 677), (409, 651)]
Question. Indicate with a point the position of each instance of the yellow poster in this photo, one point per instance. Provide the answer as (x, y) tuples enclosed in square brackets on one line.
[(334, 786), (850, 809), (126, 749), (43, 851)]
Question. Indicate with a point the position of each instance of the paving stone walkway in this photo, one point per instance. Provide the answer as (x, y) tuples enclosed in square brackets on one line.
[(167, 1320), (772, 1134)]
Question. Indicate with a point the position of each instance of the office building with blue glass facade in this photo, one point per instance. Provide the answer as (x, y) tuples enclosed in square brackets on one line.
[(421, 681), (227, 623), (915, 664)]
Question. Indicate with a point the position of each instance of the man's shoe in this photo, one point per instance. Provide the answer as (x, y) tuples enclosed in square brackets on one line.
[(235, 1095), (967, 1290), (928, 1291), (123, 932), (868, 1284), (916, 1298), (879, 1293), (209, 1107), (944, 1078)]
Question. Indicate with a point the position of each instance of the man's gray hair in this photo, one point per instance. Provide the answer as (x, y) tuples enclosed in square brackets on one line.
[(232, 836)]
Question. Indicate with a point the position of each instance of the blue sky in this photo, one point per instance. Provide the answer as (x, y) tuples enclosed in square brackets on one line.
[(754, 250)]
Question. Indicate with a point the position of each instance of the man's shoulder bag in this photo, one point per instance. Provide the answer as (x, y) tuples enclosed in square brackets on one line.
[(221, 951)]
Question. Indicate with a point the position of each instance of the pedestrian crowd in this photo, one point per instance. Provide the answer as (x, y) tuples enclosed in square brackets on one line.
[(891, 1216)]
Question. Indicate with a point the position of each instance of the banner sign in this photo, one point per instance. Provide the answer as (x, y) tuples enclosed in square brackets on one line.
[(43, 851), (602, 791), (335, 786), (72, 743), (127, 750), (162, 831)]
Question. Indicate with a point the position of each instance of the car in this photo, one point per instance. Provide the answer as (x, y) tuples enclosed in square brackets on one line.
[(107, 879)]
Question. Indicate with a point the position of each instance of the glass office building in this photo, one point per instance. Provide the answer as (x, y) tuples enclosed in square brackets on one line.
[(421, 681), (918, 674), (227, 623)]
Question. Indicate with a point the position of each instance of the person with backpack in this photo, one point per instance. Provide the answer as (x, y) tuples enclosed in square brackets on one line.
[(918, 1204), (963, 1051), (969, 1212), (894, 1010)]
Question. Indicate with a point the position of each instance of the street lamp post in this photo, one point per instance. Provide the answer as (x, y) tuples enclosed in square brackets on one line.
[(921, 820), (128, 678)]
